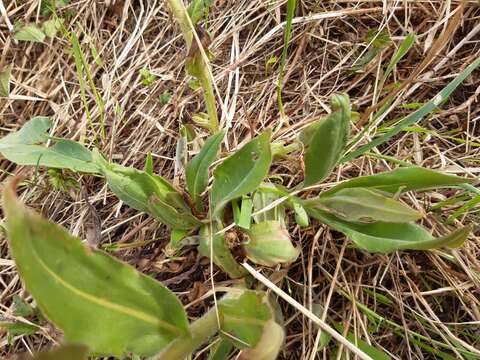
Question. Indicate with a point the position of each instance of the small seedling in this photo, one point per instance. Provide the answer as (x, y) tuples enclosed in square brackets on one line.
[(147, 77), (165, 98)]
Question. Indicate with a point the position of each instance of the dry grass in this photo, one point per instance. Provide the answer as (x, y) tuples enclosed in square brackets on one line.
[(410, 304)]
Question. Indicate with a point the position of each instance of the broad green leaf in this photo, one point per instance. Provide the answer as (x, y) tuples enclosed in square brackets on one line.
[(64, 154), (198, 9), (269, 244), (214, 246), (401, 179), (242, 172), (326, 140), (21, 148), (243, 318), (149, 193), (92, 297), (33, 132), (364, 205), (270, 343), (29, 32), (64, 352), (221, 350), (388, 237), (415, 117), (5, 75), (197, 168)]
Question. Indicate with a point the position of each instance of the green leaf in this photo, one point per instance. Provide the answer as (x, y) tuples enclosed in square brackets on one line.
[(5, 75), (92, 297), (417, 115), (326, 140), (70, 352), (29, 32), (401, 179), (50, 27), (21, 307), (22, 149), (64, 154), (242, 172), (243, 318), (18, 328), (221, 350), (364, 205), (388, 237), (265, 195), (269, 244), (33, 132), (301, 216), (149, 193), (165, 98), (245, 216), (198, 9), (149, 164), (214, 245), (402, 50), (269, 345), (197, 168)]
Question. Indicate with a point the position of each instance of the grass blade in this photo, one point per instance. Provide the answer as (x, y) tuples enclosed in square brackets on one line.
[(417, 115)]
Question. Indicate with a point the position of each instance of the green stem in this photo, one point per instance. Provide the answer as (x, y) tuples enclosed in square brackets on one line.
[(180, 12), (200, 331), (209, 99), (181, 15)]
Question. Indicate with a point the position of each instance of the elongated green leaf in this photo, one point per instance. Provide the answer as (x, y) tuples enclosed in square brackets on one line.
[(64, 352), (243, 318), (368, 349), (401, 179), (197, 168), (287, 34), (269, 244), (364, 205), (242, 172), (214, 246), (29, 32), (95, 299), (417, 115), (5, 81), (149, 193), (402, 50), (326, 141), (64, 154), (22, 149), (18, 328), (387, 237)]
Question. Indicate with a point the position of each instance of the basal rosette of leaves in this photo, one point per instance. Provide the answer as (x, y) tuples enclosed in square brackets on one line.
[(105, 304)]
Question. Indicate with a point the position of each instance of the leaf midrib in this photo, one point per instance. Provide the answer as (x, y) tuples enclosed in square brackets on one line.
[(107, 304)]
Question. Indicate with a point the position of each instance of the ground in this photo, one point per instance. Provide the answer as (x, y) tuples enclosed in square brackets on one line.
[(409, 304)]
